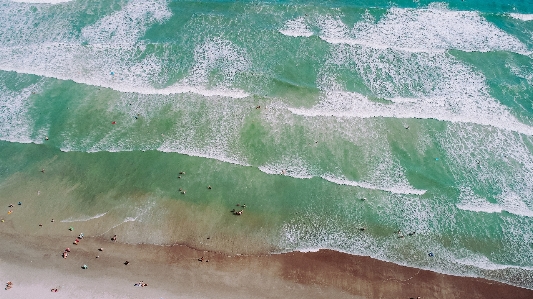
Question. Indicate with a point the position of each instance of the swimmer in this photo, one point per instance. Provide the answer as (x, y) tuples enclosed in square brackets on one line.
[(209, 187)]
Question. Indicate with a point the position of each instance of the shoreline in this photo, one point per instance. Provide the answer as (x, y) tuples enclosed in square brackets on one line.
[(35, 266), (198, 221)]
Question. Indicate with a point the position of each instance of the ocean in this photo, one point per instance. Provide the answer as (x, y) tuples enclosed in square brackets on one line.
[(400, 130)]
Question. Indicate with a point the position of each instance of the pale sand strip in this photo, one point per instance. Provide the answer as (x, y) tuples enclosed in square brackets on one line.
[(35, 265)]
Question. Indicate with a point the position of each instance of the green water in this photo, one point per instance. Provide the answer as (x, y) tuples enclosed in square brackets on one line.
[(300, 110)]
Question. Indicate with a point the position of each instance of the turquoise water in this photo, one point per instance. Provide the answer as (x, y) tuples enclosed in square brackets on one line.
[(299, 109)]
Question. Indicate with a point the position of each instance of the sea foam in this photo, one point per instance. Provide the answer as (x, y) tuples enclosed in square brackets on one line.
[(432, 29), (42, 1), (107, 53), (522, 17)]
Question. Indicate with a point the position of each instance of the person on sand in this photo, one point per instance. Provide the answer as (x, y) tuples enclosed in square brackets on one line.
[(114, 239)]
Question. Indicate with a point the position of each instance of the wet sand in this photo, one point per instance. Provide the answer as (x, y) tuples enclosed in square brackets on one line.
[(35, 266)]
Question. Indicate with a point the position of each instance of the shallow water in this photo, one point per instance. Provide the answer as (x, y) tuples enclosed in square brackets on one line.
[(297, 109)]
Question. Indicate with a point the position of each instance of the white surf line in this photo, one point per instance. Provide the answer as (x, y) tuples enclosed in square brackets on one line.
[(383, 46), (132, 219), (339, 181), (481, 120), (41, 1), (396, 190), (522, 17), (174, 89), (68, 220)]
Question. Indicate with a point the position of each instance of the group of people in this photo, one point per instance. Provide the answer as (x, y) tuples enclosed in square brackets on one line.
[(11, 206), (78, 239), (65, 253), (76, 242), (235, 212), (400, 234), (141, 284)]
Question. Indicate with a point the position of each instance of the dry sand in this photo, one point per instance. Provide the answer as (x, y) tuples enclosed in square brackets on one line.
[(35, 266)]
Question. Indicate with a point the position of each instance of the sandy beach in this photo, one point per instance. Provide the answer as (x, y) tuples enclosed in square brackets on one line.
[(35, 266)]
